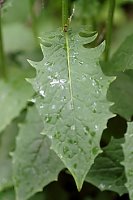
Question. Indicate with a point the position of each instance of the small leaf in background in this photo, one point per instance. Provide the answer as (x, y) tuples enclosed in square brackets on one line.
[(107, 173), (128, 159), (14, 94), (10, 195), (120, 92), (7, 195), (122, 59), (34, 164), (13, 43), (7, 145), (5, 5), (71, 98)]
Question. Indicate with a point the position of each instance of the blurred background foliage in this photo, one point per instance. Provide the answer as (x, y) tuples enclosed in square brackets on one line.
[(23, 22)]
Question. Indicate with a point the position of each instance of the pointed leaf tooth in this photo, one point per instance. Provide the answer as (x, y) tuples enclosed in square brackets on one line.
[(32, 63)]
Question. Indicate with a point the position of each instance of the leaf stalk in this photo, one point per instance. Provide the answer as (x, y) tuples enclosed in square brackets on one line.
[(109, 28), (2, 56), (65, 14), (34, 25)]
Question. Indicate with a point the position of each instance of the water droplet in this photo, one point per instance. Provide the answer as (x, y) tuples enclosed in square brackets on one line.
[(101, 186), (42, 133), (48, 118), (65, 149), (63, 98), (81, 62), (96, 127), (90, 142), (47, 63), (11, 153), (84, 76), (73, 127), (57, 135), (131, 135), (49, 69), (50, 137), (86, 130), (42, 93), (60, 156), (58, 116), (53, 107), (78, 107), (41, 106), (70, 141), (50, 77), (33, 100), (58, 82), (92, 133), (56, 75), (95, 150), (93, 82), (70, 105), (94, 107), (109, 186), (76, 53), (75, 165)]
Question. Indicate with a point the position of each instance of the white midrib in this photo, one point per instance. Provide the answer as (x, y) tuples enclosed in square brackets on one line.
[(69, 69)]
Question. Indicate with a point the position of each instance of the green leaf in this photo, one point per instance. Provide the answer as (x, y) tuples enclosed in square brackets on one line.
[(17, 31), (33, 161), (122, 59), (121, 94), (128, 159), (107, 173), (14, 95), (71, 98), (120, 90), (6, 4), (10, 195), (7, 195), (7, 145)]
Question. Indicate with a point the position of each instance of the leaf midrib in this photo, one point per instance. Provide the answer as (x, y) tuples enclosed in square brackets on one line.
[(69, 68)]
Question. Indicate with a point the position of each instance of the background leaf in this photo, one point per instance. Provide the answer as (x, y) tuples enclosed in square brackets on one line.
[(128, 158), (34, 164), (122, 59), (121, 94), (7, 144), (107, 173), (14, 95), (71, 98)]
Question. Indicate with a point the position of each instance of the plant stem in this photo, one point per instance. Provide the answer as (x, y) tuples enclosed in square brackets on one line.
[(34, 26), (109, 28), (2, 56), (65, 13)]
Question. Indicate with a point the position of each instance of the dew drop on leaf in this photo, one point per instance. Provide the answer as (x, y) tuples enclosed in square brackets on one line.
[(75, 165), (95, 150), (42, 93), (73, 127), (53, 107), (57, 135), (101, 186), (48, 118), (65, 149)]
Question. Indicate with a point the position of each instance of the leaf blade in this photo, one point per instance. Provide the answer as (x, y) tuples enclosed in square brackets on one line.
[(128, 157), (63, 83), (109, 163), (14, 95), (33, 161)]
